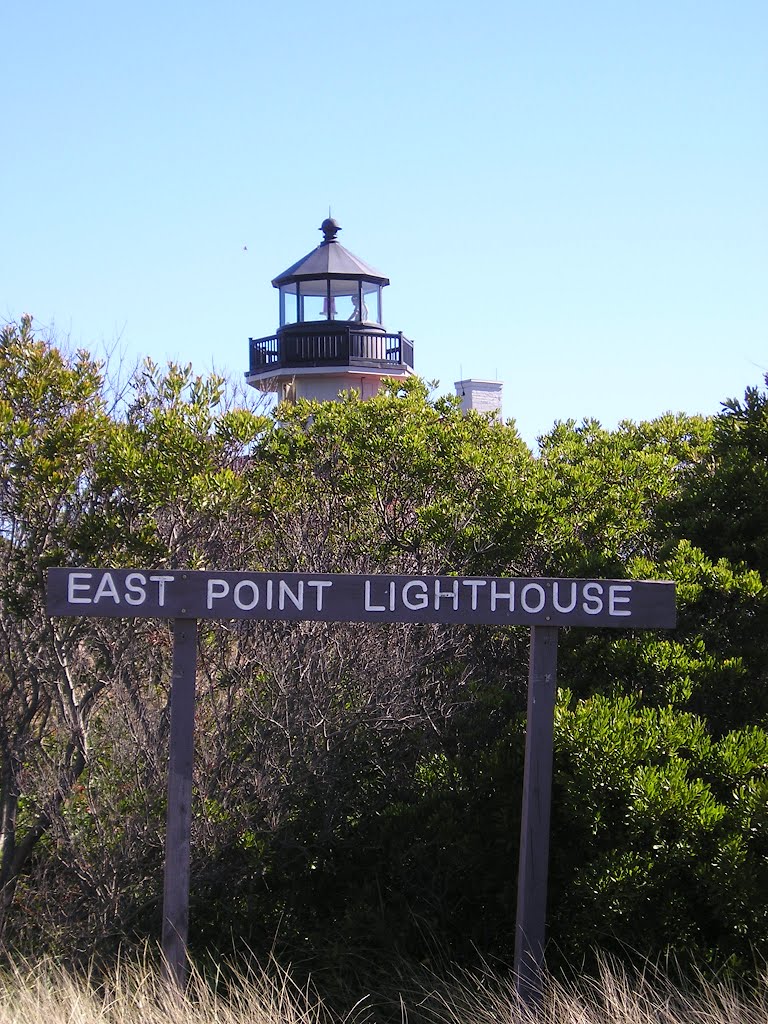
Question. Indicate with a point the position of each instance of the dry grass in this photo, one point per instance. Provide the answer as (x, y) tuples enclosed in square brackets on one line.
[(615, 996), (135, 993)]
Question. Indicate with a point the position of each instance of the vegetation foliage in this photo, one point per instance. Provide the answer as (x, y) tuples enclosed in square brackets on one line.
[(357, 790)]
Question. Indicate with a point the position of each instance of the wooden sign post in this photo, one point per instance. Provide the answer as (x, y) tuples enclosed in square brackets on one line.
[(543, 604), (179, 810), (534, 822)]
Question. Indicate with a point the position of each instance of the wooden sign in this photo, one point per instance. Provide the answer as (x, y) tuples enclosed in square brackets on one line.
[(542, 604), (623, 604)]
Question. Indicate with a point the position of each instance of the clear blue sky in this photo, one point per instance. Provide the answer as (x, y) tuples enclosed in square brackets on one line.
[(571, 197)]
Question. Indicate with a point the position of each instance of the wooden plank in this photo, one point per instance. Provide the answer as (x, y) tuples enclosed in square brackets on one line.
[(179, 813), (534, 828), (328, 597)]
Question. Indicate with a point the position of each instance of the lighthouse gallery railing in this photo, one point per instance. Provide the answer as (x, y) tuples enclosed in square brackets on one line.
[(332, 349)]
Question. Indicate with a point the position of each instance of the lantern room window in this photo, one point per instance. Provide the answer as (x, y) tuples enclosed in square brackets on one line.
[(289, 309), (313, 301), (345, 299), (372, 302), (335, 299)]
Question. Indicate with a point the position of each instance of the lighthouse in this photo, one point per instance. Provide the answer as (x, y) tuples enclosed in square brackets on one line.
[(331, 336)]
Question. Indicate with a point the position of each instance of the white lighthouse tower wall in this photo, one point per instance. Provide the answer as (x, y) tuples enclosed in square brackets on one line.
[(480, 395), (324, 387)]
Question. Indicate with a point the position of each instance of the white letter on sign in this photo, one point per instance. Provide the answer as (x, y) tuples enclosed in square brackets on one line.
[(161, 581), (134, 588), (474, 584), (453, 593), (537, 587), (216, 589), (106, 588), (285, 591), (368, 606), (72, 586), (320, 584), (421, 600), (556, 598), (497, 596), (614, 599), (592, 593), (254, 595)]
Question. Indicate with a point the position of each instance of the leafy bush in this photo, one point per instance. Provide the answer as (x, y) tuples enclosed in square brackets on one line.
[(359, 788)]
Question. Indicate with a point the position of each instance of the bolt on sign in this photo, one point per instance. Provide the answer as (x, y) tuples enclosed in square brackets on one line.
[(544, 605)]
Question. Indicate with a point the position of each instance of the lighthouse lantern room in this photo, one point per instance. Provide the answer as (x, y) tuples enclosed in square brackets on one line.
[(331, 336)]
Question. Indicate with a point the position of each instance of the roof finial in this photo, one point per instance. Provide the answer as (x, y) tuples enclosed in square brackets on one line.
[(330, 228)]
